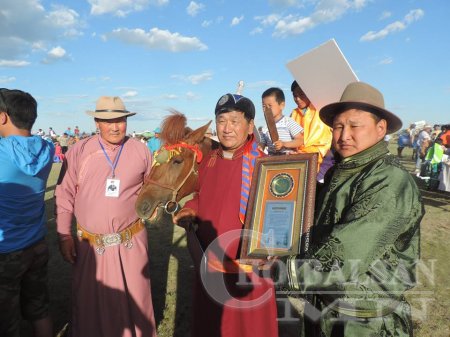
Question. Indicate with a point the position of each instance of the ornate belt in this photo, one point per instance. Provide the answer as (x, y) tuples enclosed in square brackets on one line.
[(101, 241)]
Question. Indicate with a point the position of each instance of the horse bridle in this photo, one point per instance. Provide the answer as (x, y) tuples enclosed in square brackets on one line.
[(173, 201)]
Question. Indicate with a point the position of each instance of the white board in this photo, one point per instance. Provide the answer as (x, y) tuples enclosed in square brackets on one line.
[(322, 73)]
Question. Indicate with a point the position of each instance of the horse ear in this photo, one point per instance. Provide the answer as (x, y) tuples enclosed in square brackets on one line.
[(196, 136)]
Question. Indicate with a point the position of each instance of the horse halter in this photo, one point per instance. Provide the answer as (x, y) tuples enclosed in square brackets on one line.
[(164, 155)]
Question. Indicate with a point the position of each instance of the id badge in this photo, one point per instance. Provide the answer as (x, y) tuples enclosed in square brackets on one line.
[(112, 188)]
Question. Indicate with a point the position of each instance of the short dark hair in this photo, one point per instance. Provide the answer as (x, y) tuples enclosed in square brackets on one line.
[(20, 106), (277, 93)]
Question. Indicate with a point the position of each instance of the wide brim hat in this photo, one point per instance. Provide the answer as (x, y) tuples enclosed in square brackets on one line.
[(108, 107), (361, 96)]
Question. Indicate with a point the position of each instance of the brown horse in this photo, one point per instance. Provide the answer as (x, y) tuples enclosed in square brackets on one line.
[(174, 173)]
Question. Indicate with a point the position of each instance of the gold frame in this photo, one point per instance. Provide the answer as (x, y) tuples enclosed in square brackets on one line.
[(291, 208)]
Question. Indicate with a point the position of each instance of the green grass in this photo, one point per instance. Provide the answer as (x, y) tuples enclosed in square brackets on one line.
[(171, 270)]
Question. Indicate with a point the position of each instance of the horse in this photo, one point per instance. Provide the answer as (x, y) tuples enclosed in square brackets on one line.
[(174, 173)]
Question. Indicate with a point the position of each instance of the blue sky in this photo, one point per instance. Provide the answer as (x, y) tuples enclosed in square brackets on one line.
[(162, 54)]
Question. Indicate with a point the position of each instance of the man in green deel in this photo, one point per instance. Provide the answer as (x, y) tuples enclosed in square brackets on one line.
[(365, 240)]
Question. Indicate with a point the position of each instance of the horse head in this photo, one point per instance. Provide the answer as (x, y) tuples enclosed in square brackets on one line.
[(174, 173)]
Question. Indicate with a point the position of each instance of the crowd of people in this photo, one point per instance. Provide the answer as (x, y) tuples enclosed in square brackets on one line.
[(69, 137), (368, 210), (431, 150)]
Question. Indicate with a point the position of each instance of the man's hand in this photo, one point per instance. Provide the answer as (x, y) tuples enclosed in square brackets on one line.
[(184, 217), (67, 248)]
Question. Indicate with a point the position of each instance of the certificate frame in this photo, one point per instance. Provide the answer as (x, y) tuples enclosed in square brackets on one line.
[(280, 209)]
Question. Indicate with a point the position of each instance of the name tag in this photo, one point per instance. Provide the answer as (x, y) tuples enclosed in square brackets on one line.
[(112, 188)]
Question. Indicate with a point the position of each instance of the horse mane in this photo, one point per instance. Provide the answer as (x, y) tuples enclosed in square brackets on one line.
[(173, 128)]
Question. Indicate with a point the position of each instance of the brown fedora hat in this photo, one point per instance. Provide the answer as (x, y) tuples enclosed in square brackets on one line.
[(362, 96), (108, 107)]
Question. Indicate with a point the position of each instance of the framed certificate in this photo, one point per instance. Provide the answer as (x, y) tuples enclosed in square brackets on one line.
[(280, 209)]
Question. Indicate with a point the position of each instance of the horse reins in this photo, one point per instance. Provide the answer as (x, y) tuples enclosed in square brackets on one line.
[(197, 159)]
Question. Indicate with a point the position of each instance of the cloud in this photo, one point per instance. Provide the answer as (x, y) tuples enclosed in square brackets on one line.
[(385, 15), (325, 11), (190, 96), (387, 60), (63, 17), (4, 79), (257, 30), (157, 38), (206, 23), (412, 16), (13, 63), (236, 20), (130, 93), (262, 84), (284, 3), (96, 79), (55, 54), (27, 23), (194, 8), (122, 8), (195, 79), (268, 20), (170, 96)]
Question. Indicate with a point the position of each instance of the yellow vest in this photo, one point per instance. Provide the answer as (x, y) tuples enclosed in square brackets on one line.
[(316, 134)]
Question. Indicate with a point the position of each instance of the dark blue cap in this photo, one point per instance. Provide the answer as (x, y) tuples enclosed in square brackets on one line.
[(233, 102)]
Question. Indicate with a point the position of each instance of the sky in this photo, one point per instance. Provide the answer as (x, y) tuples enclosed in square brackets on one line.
[(159, 55)]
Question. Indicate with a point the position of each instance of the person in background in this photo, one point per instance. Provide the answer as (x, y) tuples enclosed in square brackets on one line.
[(154, 143), (445, 136), (230, 299), (364, 244), (76, 131), (52, 133), (435, 132), (422, 144), (58, 153), (290, 134), (69, 132), (404, 140), (316, 135), (64, 142), (98, 185), (25, 162)]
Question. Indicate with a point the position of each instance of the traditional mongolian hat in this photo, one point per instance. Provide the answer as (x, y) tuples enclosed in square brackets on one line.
[(362, 96), (108, 107), (230, 102)]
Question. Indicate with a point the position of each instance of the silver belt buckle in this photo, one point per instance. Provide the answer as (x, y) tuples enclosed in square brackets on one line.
[(111, 239)]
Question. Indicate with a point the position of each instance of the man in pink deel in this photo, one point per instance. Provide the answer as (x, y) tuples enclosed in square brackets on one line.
[(99, 184)]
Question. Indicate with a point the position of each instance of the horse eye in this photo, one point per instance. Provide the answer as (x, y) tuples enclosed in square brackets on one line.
[(177, 159)]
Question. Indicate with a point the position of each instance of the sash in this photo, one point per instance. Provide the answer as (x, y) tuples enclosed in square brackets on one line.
[(251, 152)]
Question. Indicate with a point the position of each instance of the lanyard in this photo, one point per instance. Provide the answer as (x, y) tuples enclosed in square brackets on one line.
[(113, 165)]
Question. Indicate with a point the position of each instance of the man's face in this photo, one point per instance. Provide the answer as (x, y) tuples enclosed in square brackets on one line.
[(300, 98), (233, 129), (112, 131), (356, 130), (270, 102)]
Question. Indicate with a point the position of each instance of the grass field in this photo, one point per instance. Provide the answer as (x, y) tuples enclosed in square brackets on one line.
[(171, 270)]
